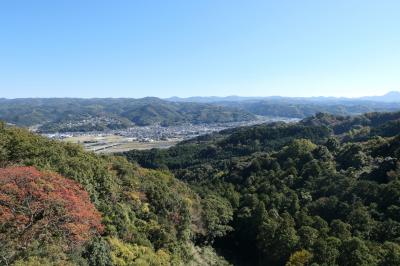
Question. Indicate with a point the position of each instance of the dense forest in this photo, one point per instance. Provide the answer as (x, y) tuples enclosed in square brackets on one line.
[(324, 191), (68, 114), (60, 205)]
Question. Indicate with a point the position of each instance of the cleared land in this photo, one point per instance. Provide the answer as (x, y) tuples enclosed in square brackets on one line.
[(114, 143)]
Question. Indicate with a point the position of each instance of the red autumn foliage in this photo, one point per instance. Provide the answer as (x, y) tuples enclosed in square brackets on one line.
[(44, 206)]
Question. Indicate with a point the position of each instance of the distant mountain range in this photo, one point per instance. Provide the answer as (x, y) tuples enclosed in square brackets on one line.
[(301, 107), (392, 96), (98, 114)]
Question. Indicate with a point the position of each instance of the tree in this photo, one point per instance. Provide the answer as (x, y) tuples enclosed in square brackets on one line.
[(299, 258), (340, 229), (41, 207), (355, 252), (124, 254), (277, 237), (308, 236), (333, 144), (217, 213), (361, 222), (391, 254), (300, 147), (98, 253), (326, 251)]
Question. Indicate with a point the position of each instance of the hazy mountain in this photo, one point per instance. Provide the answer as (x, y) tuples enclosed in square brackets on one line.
[(301, 107), (393, 96), (213, 99)]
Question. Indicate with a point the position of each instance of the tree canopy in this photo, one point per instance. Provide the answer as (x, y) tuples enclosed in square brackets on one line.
[(324, 191)]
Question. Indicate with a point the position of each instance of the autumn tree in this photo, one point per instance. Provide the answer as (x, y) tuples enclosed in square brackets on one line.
[(43, 208)]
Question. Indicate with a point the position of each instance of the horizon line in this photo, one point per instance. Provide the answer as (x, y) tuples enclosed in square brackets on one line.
[(198, 96)]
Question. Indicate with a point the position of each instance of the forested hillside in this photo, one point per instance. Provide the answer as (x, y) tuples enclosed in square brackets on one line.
[(72, 115), (302, 107), (324, 191), (60, 205), (68, 114)]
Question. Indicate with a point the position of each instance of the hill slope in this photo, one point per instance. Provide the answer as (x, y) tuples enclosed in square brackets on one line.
[(67, 114), (301, 107), (135, 216), (325, 190)]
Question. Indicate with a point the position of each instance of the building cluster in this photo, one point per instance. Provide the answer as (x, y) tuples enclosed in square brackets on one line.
[(161, 133)]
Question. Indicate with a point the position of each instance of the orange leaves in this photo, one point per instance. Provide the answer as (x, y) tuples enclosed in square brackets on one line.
[(40, 206)]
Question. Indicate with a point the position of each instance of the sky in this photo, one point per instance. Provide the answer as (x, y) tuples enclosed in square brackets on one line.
[(95, 48)]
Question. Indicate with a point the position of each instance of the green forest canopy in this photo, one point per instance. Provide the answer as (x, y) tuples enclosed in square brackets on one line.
[(324, 191), (147, 217)]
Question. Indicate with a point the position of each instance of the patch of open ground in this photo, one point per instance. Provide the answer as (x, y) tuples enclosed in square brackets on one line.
[(114, 143)]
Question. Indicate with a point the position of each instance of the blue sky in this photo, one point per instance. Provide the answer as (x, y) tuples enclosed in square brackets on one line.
[(198, 47)]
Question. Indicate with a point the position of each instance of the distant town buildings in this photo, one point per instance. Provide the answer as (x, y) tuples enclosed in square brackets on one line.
[(155, 133)]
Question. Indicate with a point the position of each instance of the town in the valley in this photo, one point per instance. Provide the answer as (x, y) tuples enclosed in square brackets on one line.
[(148, 137)]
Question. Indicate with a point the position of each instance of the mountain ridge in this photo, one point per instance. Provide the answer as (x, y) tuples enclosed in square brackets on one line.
[(76, 114), (391, 96)]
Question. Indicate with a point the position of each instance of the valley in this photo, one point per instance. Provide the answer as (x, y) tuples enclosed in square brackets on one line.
[(324, 189), (200, 133), (149, 137)]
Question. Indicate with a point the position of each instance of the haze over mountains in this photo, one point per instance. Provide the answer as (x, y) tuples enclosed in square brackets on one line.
[(301, 107), (390, 97)]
